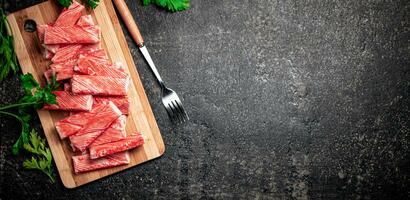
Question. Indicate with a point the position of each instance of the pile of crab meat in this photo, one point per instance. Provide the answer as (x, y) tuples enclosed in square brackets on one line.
[(95, 92)]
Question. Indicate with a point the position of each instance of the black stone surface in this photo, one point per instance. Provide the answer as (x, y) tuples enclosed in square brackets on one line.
[(287, 99)]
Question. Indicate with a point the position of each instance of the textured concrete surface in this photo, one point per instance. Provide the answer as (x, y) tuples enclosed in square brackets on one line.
[(287, 99)]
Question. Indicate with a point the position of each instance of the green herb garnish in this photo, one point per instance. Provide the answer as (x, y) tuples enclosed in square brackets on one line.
[(92, 3), (170, 5), (8, 57), (65, 3), (41, 96), (43, 159)]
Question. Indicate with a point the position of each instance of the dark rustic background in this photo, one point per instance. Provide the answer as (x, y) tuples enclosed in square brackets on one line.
[(287, 99)]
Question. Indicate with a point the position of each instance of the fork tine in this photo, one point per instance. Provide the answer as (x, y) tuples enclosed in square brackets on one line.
[(184, 114), (173, 106), (169, 112), (181, 110), (180, 114), (177, 112), (175, 116)]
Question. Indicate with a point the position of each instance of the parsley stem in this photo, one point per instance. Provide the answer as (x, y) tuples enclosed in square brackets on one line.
[(13, 115), (17, 105), (49, 174)]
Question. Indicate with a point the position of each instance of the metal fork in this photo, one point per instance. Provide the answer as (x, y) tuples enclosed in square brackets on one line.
[(170, 99)]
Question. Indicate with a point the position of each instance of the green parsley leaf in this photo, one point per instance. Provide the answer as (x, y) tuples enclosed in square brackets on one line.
[(49, 157), (92, 3), (65, 3), (31, 164), (54, 84), (43, 159), (17, 146), (43, 164), (170, 5), (146, 2), (28, 82), (41, 96), (8, 62), (23, 139)]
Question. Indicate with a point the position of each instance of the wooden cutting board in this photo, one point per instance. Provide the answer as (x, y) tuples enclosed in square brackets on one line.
[(140, 118)]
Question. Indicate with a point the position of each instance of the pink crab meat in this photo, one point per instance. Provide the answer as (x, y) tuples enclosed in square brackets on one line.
[(127, 143), (85, 20), (72, 124), (60, 75), (122, 102), (67, 87), (81, 142), (64, 70), (41, 29), (53, 48), (64, 74), (99, 85), (98, 67), (93, 50), (47, 54), (119, 65), (99, 123), (69, 102), (95, 95), (65, 53), (72, 35), (48, 49), (114, 133), (68, 64), (83, 163), (70, 15), (48, 74)]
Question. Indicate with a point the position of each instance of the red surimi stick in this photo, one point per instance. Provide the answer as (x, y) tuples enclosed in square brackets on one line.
[(95, 127), (114, 133), (72, 35), (122, 102), (69, 102), (129, 142), (99, 85), (83, 163)]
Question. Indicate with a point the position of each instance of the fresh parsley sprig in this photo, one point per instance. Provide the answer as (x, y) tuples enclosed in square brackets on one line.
[(41, 96), (90, 3), (170, 5), (8, 57), (65, 3), (43, 159)]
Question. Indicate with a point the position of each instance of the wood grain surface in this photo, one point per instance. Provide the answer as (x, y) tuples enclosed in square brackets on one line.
[(140, 116)]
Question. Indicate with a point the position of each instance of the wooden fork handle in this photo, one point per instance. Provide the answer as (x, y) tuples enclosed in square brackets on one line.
[(129, 21)]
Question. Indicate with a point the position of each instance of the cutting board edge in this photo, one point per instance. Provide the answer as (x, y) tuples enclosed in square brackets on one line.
[(70, 186)]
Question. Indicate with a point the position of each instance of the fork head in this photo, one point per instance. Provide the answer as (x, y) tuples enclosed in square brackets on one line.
[(173, 106)]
